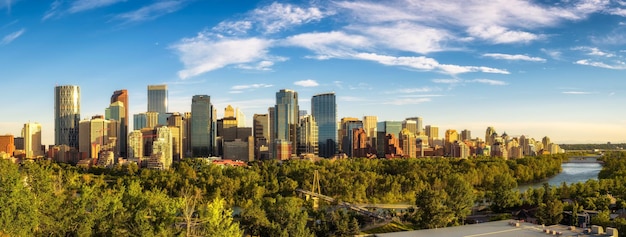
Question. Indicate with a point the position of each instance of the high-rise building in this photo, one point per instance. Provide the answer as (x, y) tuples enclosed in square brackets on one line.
[(7, 144), (229, 112), (432, 132), (122, 96), (32, 140), (307, 136), (187, 134), (451, 136), (324, 111), (157, 98), (135, 145), (369, 124), (117, 112), (98, 134), (241, 118), (286, 119), (348, 125), (410, 125), (488, 138), (408, 143), (202, 126), (272, 120), (162, 151), (546, 143), (66, 115), (418, 124), (261, 131), (466, 135)]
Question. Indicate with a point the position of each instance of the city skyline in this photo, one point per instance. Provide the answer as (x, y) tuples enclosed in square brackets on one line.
[(459, 65)]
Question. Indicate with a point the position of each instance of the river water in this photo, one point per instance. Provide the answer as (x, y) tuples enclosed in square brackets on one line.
[(571, 173)]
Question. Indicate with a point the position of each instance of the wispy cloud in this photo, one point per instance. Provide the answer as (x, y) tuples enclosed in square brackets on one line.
[(271, 19), (618, 65), (593, 51), (576, 92), (502, 35), (151, 12), (514, 57), (414, 90), (427, 64), (12, 36), (205, 53), (554, 54), (461, 81), (326, 45), (250, 86), (84, 5), (307, 83), (489, 82)]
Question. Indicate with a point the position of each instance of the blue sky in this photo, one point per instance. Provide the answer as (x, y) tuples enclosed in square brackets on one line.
[(537, 68)]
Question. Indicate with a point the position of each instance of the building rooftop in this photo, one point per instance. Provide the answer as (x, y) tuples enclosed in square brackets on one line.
[(503, 228)]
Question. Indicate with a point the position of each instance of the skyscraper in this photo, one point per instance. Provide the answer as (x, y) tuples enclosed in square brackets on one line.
[(324, 111), (308, 135), (122, 97), (202, 127), (261, 131), (117, 112), (286, 119), (369, 124), (32, 140), (66, 115), (490, 131), (157, 98), (419, 124)]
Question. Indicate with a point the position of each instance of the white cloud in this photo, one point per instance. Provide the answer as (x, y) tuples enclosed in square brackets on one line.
[(426, 64), (12, 36), (489, 82), (554, 54), (151, 11), (203, 53), (306, 83), (502, 35), (447, 81), (272, 19), (593, 51), (519, 57), (335, 44), (415, 90), (576, 92), (352, 99), (250, 86), (84, 5), (619, 65), (407, 37)]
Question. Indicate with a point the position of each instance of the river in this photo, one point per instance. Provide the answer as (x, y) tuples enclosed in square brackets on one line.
[(573, 172)]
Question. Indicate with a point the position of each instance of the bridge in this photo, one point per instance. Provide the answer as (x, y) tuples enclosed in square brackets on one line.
[(357, 208), (316, 192)]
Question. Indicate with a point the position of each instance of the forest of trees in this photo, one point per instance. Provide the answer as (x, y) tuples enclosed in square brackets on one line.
[(197, 199)]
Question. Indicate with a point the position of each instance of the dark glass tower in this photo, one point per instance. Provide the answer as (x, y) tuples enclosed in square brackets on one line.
[(286, 118), (66, 115), (202, 127), (122, 96), (157, 98), (324, 110)]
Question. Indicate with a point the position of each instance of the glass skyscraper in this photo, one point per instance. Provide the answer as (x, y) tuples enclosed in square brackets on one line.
[(157, 98), (66, 115), (286, 117), (202, 127), (324, 110)]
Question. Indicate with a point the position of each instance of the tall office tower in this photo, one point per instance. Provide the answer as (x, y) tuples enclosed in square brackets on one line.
[(451, 136), (163, 145), (32, 140), (117, 112), (157, 98), (286, 120), (135, 145), (122, 96), (418, 123), (382, 141), (272, 119), (324, 111), (229, 112), (410, 125), (408, 143), (545, 141), (343, 131), (241, 118), (261, 133), (348, 125), (369, 124), (66, 115), (308, 136), (202, 126), (98, 134), (187, 136), (432, 132), (176, 125), (488, 138), (7, 145), (466, 135)]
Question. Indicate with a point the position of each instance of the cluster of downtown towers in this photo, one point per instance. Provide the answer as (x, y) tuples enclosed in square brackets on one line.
[(283, 133)]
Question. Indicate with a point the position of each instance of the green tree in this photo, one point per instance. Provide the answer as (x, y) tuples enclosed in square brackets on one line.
[(217, 220)]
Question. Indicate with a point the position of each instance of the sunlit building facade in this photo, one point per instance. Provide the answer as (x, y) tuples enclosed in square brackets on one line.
[(66, 115), (324, 111)]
